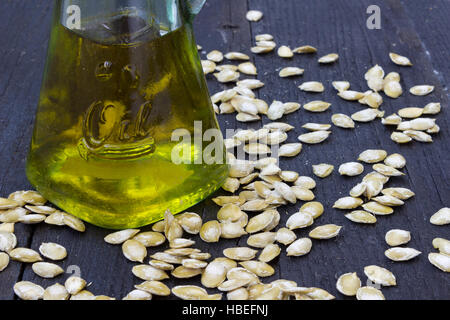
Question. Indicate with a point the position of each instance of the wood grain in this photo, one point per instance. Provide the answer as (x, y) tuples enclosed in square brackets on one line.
[(411, 27)]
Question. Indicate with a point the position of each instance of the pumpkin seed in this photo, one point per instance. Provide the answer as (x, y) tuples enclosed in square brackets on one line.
[(262, 49), (46, 270), (133, 250), (316, 126), (7, 227), (290, 149), (13, 215), (329, 58), (420, 124), (434, 129), (401, 254), (31, 197), (289, 176), (238, 294), (215, 56), (190, 292), (161, 265), (53, 251), (380, 275), (322, 170), (365, 115), (372, 156), (393, 119), (387, 170), (254, 15), (432, 108), (276, 110), (418, 135), (347, 203), (317, 106), (214, 274), (194, 263), (269, 253), (138, 295), (388, 201), (150, 238), (74, 285), (182, 272), (299, 220), (399, 60), (56, 292), (299, 247), (343, 121), (400, 193), (250, 83), (305, 182), (248, 68), (326, 231), (441, 217), (239, 253), (261, 240), (369, 293), (27, 290), (400, 137), (285, 236), (305, 49), (443, 245), (341, 85), (290, 71), (361, 216), (319, 294), (6, 204), (231, 230), (83, 295), (359, 189), (120, 237), (372, 99), (376, 208), (285, 191), (351, 95), (32, 218), (8, 241), (4, 261), (314, 208), (41, 209), (231, 185), (395, 160), (181, 243), (351, 169), (208, 66), (285, 52), (392, 89), (73, 222), (254, 205), (278, 126), (264, 37), (314, 137), (181, 251), (56, 218), (236, 56), (410, 113), (210, 231), (303, 194), (421, 90), (24, 255), (290, 107), (226, 76), (260, 222), (348, 284), (149, 273), (312, 86), (261, 269), (231, 285), (440, 261)]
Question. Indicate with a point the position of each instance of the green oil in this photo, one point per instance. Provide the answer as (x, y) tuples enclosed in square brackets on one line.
[(110, 100)]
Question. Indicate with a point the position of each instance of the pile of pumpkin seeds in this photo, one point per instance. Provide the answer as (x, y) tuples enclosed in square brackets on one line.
[(264, 188)]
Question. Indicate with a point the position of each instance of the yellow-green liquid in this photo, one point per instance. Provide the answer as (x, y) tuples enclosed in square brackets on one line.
[(102, 148)]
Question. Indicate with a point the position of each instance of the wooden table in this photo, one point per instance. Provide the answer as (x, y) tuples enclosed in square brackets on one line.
[(415, 28)]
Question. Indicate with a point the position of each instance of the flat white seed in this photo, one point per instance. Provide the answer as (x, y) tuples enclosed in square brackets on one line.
[(365, 115), (8, 241), (285, 52), (254, 15), (316, 126), (257, 148), (275, 137), (244, 91), (227, 75), (299, 220), (400, 137), (194, 263), (182, 272), (432, 108), (210, 231), (305, 49), (290, 149), (347, 203), (314, 208), (372, 99), (263, 37), (440, 261), (399, 60), (388, 200), (133, 250), (138, 295), (421, 124), (358, 190), (191, 222), (351, 95), (276, 110), (238, 294), (348, 284), (376, 208), (24, 255), (305, 182), (285, 191), (4, 261), (223, 96), (289, 176), (73, 222), (329, 58), (374, 72), (375, 84), (261, 240), (314, 137), (148, 273), (312, 86), (392, 89), (214, 274), (395, 160), (53, 251), (230, 212), (443, 245), (269, 253), (418, 135), (83, 295), (323, 170), (271, 169), (434, 129), (208, 66), (343, 121), (231, 230), (261, 49), (150, 238), (240, 253), (236, 56), (441, 217), (278, 126), (56, 292), (401, 193), (120, 237), (290, 107), (326, 231), (303, 194), (351, 169), (387, 170), (41, 209), (32, 218), (285, 236), (318, 294), (248, 68), (361, 216), (250, 83), (290, 71), (215, 56), (341, 85), (154, 287), (401, 254), (421, 90), (13, 215), (393, 120), (190, 292), (380, 275), (47, 270), (299, 247), (74, 285), (231, 185), (261, 269), (410, 113), (372, 155), (7, 227), (369, 293), (261, 221), (27, 290), (317, 106), (226, 66)]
